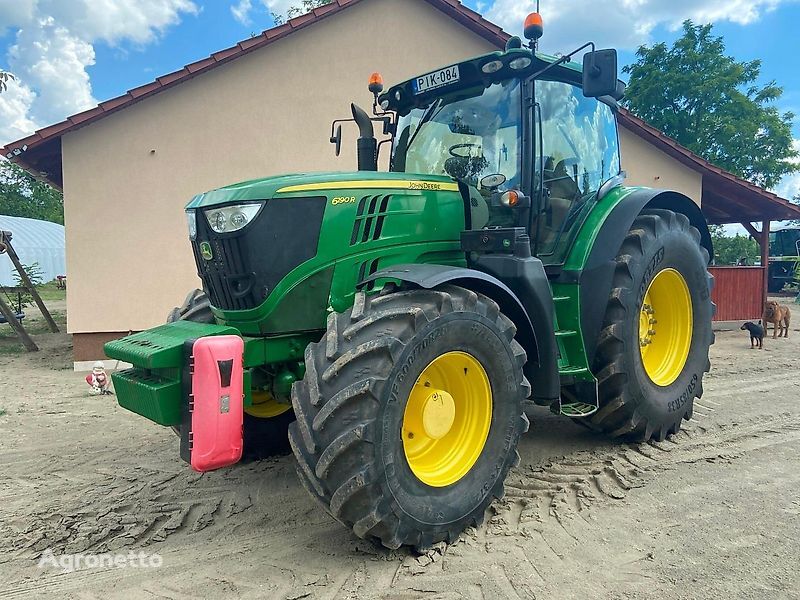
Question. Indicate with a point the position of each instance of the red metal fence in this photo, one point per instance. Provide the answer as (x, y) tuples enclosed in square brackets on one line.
[(738, 293)]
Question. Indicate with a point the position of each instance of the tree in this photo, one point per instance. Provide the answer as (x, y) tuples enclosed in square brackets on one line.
[(5, 77), (21, 195), (294, 11), (713, 105), (735, 250), (35, 275)]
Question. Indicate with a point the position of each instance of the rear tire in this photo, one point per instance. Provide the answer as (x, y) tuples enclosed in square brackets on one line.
[(263, 437), (644, 398), (351, 437)]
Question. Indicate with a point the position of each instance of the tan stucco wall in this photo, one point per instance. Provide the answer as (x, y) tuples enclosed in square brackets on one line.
[(648, 166), (128, 257)]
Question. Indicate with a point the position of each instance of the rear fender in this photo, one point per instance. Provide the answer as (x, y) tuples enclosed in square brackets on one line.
[(534, 323), (594, 272)]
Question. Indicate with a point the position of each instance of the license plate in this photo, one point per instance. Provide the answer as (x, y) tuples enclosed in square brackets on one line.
[(437, 79)]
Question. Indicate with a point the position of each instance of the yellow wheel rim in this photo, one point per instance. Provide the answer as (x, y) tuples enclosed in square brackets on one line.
[(665, 327), (265, 406), (447, 418)]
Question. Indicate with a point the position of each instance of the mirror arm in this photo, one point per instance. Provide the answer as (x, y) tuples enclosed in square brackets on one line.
[(563, 59), (337, 122)]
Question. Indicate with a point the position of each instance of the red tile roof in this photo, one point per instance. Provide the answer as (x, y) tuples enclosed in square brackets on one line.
[(775, 209), (15, 150)]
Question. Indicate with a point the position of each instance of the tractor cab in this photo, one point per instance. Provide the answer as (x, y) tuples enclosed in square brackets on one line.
[(531, 139), (784, 250)]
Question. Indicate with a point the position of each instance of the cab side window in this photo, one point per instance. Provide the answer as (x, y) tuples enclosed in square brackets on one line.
[(580, 152)]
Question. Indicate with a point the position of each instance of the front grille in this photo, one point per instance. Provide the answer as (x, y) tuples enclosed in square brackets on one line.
[(247, 265), (226, 278)]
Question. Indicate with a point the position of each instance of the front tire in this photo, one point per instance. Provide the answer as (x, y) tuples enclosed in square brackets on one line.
[(410, 412), (653, 350)]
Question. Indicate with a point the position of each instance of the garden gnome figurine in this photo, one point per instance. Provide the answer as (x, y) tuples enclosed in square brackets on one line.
[(98, 379)]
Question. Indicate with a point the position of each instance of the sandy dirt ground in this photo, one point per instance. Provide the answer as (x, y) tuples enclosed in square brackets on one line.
[(712, 512)]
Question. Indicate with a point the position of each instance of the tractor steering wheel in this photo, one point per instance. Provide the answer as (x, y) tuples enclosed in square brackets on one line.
[(461, 146)]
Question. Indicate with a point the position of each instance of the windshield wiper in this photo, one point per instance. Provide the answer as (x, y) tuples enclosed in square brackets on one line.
[(429, 114)]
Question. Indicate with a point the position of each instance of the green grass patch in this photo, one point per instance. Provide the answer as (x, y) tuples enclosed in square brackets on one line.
[(35, 326), (49, 292), (3, 412)]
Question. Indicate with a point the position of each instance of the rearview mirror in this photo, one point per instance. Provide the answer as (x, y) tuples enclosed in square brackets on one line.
[(600, 73), (336, 140)]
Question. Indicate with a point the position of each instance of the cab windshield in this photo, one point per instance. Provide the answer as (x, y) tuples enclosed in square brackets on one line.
[(467, 137)]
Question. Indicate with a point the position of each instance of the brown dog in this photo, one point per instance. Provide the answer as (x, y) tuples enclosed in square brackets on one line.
[(779, 315)]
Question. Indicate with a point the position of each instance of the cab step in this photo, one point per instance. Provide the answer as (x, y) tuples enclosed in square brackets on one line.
[(578, 409), (565, 333), (566, 371)]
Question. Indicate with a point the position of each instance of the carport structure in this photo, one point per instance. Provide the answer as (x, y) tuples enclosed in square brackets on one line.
[(739, 291)]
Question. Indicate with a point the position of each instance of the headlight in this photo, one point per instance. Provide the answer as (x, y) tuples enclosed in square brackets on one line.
[(232, 218), (191, 219)]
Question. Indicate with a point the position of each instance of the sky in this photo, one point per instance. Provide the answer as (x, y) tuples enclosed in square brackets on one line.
[(68, 55)]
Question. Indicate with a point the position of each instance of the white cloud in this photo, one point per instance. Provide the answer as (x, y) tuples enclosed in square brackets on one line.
[(241, 11), (15, 12), (55, 44), (138, 21), (279, 7), (49, 59), (15, 106), (623, 24)]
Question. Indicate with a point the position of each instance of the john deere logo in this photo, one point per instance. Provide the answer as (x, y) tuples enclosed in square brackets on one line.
[(205, 251)]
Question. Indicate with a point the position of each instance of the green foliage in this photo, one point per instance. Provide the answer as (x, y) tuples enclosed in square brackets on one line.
[(5, 77), (34, 273), (713, 105), (295, 11), (21, 195), (735, 250)]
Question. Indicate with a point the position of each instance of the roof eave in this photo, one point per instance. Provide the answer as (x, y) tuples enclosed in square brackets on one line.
[(782, 209)]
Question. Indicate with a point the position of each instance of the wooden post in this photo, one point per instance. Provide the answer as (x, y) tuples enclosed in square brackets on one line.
[(5, 238), (765, 259), (8, 313), (762, 237)]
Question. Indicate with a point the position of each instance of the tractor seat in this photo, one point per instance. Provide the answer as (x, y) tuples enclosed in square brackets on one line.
[(561, 182), (563, 192)]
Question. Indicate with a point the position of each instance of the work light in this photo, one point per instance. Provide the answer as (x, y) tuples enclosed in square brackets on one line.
[(492, 67), (522, 62)]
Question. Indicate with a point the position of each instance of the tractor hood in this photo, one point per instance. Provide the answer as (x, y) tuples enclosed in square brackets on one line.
[(320, 184)]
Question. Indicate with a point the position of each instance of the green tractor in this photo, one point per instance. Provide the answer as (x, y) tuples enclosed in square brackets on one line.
[(784, 258), (397, 326)]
